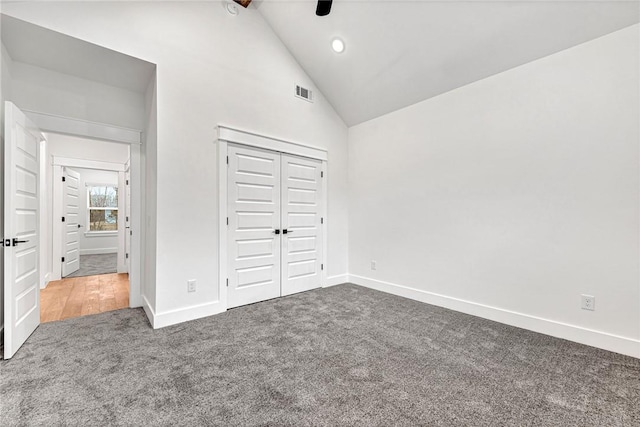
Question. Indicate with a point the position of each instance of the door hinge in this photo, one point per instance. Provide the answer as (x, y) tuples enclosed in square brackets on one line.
[(126, 256), (62, 259), (227, 220), (321, 174), (130, 232), (227, 283), (321, 220), (227, 159), (127, 182), (127, 219), (321, 266), (64, 179), (62, 219)]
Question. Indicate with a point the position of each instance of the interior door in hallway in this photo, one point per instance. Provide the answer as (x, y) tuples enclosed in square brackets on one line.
[(21, 285), (302, 223), (71, 222), (253, 225)]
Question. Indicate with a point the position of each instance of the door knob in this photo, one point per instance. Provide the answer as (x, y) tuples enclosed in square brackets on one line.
[(276, 231), (79, 226), (285, 231), (16, 241)]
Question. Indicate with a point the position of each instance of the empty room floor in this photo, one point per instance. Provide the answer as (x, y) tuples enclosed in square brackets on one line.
[(81, 296), (344, 355)]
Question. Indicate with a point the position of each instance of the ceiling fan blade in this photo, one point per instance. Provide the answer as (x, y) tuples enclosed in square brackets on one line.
[(324, 7)]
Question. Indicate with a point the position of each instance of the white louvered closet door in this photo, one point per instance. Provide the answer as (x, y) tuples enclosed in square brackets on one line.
[(274, 225), (302, 224), (254, 216)]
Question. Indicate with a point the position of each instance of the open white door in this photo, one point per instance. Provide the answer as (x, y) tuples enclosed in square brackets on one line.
[(71, 222), (301, 224), (21, 227)]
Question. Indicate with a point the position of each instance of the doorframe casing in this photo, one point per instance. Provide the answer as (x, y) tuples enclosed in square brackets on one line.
[(109, 133), (228, 135), (59, 163)]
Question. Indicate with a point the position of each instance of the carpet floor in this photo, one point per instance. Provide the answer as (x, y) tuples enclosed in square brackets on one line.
[(344, 355), (93, 265)]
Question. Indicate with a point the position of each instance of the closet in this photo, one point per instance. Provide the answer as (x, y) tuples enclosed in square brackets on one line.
[(274, 224)]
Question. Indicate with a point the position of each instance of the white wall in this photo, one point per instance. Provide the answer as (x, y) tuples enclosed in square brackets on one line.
[(212, 68), (96, 243), (149, 237), (86, 149), (512, 196), (45, 91)]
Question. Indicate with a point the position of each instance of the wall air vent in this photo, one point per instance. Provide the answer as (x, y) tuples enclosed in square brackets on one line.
[(304, 93)]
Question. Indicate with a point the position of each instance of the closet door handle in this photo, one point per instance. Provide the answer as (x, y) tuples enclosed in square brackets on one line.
[(276, 231), (285, 231)]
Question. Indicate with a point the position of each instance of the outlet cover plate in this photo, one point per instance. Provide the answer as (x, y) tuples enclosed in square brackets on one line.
[(588, 302), (191, 285)]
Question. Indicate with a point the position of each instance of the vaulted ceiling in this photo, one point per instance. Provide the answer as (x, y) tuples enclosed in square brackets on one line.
[(402, 52)]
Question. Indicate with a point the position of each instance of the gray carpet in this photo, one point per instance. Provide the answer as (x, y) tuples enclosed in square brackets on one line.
[(338, 356), (92, 265)]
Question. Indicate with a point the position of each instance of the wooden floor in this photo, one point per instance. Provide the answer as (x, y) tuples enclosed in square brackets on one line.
[(80, 296)]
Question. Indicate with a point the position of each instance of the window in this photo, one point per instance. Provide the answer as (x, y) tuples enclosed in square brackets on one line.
[(103, 208)]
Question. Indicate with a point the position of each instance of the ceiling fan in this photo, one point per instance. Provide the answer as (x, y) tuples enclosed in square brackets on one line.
[(322, 9)]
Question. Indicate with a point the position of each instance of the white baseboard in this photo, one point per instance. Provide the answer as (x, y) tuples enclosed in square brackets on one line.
[(99, 251), (148, 310), (336, 280), (172, 317), (47, 279), (603, 340)]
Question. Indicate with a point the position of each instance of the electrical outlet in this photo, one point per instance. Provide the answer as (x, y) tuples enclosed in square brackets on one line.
[(191, 285), (588, 302), (373, 265)]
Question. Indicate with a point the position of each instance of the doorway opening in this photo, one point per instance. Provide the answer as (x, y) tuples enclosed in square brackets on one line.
[(112, 98), (89, 218)]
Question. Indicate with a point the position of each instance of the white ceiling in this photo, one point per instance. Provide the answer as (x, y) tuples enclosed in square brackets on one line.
[(45, 48), (402, 52)]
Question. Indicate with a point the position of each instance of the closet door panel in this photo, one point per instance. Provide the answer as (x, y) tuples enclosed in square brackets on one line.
[(254, 201), (302, 219)]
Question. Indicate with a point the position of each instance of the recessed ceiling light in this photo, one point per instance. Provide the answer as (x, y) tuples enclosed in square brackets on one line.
[(337, 45)]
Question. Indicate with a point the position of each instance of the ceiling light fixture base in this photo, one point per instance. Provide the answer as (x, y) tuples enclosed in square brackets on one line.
[(232, 8)]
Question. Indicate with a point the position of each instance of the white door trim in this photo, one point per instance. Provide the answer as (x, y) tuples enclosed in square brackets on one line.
[(81, 128), (87, 164), (58, 164), (228, 135), (252, 139)]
